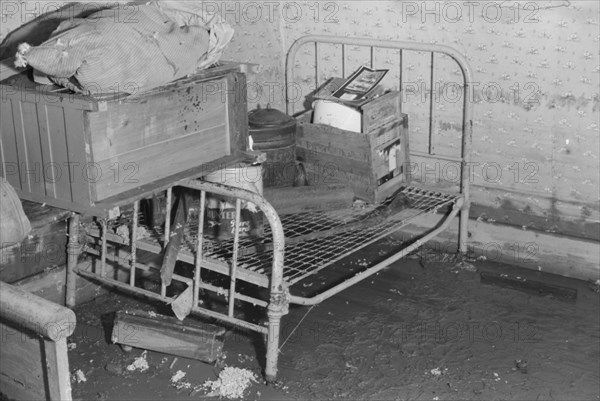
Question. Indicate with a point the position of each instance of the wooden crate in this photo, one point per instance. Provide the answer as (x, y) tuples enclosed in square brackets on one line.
[(43, 248), (373, 162), (73, 152)]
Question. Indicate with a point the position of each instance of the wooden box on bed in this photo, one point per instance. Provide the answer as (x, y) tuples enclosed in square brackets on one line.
[(373, 162), (73, 151)]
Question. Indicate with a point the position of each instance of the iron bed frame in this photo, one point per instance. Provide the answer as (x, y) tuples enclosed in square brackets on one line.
[(288, 253)]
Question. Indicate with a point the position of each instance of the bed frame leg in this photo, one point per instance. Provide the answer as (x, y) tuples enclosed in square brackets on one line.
[(73, 252), (463, 233), (272, 348), (278, 306)]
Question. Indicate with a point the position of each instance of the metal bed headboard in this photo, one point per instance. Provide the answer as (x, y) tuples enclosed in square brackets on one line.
[(402, 46)]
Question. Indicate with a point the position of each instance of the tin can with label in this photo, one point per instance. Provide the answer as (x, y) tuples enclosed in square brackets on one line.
[(220, 210)]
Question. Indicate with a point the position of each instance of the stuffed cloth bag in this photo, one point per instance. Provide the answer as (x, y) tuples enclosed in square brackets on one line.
[(104, 54), (14, 224)]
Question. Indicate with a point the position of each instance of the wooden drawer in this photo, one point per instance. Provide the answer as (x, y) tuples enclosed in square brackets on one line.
[(71, 151)]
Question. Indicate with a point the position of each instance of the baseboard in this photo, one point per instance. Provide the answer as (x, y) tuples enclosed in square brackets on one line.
[(551, 253)]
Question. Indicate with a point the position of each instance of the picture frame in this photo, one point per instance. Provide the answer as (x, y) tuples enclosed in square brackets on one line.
[(359, 84)]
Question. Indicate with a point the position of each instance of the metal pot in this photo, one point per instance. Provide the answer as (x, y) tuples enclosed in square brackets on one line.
[(271, 128), (274, 133)]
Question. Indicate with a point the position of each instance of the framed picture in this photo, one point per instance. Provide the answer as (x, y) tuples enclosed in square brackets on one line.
[(359, 84)]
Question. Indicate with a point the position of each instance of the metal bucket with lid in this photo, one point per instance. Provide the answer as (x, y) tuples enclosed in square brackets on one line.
[(274, 133)]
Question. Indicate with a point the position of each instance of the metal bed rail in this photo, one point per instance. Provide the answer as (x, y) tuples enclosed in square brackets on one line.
[(276, 306), (403, 47)]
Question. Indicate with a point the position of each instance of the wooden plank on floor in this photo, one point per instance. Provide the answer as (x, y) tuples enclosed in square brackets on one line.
[(166, 334)]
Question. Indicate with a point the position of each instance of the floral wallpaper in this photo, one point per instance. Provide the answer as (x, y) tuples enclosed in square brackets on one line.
[(536, 100)]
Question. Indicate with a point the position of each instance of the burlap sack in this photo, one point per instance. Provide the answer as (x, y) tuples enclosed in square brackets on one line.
[(132, 53)]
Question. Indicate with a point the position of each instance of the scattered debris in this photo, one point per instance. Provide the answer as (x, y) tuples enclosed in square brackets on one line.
[(521, 365), (359, 204), (183, 386), (497, 377), (140, 363), (245, 358), (78, 377), (176, 381), (350, 366), (184, 303), (124, 232), (180, 374), (595, 285), (465, 266), (71, 346), (232, 383), (436, 372)]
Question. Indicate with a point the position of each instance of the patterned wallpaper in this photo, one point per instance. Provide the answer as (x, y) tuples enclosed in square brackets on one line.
[(536, 101)]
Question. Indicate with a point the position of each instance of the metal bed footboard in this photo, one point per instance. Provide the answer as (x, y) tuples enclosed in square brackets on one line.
[(106, 271)]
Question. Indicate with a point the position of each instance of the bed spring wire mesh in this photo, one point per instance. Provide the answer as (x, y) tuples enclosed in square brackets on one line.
[(317, 239)]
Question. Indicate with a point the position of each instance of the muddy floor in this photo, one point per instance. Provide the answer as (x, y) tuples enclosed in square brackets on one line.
[(423, 329)]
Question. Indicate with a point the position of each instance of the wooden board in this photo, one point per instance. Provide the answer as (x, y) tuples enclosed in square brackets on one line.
[(58, 376), (160, 333), (132, 125), (34, 363), (301, 199), (21, 364), (9, 160)]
